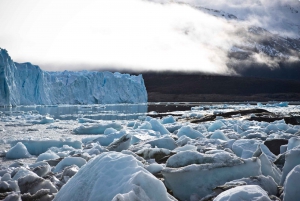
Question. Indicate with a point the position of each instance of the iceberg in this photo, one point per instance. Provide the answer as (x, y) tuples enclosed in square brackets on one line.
[(27, 84)]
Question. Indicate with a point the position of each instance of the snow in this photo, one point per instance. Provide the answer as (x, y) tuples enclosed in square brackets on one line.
[(18, 151), (189, 132), (245, 193), (291, 185), (27, 84), (113, 176)]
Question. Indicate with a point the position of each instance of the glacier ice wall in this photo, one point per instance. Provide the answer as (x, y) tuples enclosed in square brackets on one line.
[(27, 84)]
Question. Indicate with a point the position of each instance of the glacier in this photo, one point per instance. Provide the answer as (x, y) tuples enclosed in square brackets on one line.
[(27, 84)]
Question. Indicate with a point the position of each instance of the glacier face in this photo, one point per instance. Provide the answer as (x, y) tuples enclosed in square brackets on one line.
[(27, 84)]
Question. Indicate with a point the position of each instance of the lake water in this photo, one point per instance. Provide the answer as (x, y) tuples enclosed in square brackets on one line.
[(99, 112)]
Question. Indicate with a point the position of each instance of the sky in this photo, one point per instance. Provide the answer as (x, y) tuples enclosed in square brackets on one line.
[(133, 34)]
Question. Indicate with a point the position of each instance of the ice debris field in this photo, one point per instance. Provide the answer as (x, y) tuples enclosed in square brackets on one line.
[(182, 156)]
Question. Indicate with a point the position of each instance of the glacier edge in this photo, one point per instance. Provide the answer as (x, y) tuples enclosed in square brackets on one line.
[(27, 84)]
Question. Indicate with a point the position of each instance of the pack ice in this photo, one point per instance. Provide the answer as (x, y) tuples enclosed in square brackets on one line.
[(27, 84)]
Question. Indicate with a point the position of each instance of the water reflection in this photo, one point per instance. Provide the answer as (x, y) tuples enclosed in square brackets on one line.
[(96, 112)]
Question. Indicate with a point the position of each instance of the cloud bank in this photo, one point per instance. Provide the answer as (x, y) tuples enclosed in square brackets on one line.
[(130, 35)]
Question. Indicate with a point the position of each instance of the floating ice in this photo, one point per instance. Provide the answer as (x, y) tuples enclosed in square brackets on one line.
[(113, 176), (18, 151), (36, 147), (97, 128)]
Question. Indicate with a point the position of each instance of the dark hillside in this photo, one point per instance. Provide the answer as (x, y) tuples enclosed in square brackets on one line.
[(198, 87)]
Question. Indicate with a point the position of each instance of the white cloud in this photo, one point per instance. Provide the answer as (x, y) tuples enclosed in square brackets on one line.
[(131, 34)]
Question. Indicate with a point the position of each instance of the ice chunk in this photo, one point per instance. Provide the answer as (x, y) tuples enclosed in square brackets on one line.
[(22, 172), (157, 126), (18, 151), (68, 162), (189, 132), (216, 126), (36, 147), (168, 119), (46, 120), (269, 169), (6, 177), (157, 153), (113, 176), (40, 168), (219, 135), (245, 148), (292, 159), (105, 140), (121, 144), (32, 184), (27, 84), (154, 168), (183, 140), (185, 158), (47, 156), (109, 131), (187, 147), (266, 183), (164, 142), (291, 185), (96, 128), (145, 125), (245, 193), (293, 142), (200, 179)]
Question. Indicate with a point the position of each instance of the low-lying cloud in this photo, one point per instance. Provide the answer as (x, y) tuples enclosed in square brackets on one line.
[(117, 34)]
